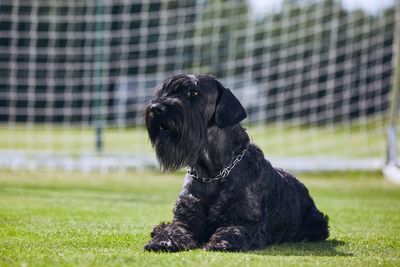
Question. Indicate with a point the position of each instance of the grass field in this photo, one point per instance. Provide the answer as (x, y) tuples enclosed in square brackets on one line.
[(78, 219), (365, 138)]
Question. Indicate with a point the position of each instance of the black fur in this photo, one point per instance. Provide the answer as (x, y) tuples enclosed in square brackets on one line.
[(257, 205)]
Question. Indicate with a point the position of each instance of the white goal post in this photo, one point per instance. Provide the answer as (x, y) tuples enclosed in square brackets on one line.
[(392, 167), (319, 78)]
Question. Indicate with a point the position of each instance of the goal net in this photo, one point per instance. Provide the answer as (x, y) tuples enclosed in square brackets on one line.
[(316, 77)]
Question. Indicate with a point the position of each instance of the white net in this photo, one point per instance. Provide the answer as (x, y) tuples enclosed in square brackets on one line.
[(314, 76)]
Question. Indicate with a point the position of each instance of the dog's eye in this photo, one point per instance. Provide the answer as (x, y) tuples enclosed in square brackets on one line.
[(192, 93)]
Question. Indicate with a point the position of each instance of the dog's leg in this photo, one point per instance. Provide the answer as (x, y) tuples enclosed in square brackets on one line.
[(171, 237), (230, 238), (184, 231)]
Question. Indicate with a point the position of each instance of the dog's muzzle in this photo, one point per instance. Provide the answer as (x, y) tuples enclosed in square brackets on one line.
[(157, 109), (161, 120)]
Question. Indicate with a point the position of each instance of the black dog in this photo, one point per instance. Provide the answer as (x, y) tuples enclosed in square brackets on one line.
[(232, 198)]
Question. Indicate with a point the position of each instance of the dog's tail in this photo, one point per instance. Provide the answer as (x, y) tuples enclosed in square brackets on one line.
[(315, 226)]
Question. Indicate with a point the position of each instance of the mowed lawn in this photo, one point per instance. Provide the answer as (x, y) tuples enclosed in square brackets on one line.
[(94, 219), (352, 140)]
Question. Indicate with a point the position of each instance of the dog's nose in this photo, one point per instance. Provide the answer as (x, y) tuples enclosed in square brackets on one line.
[(158, 109)]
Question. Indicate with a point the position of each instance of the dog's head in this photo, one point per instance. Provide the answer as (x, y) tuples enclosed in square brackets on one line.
[(181, 110)]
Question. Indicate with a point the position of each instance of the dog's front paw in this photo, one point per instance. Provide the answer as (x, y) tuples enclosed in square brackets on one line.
[(231, 238), (222, 245), (170, 238), (161, 246), (161, 240)]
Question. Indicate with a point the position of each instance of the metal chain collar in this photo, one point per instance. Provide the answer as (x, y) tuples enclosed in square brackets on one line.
[(221, 175)]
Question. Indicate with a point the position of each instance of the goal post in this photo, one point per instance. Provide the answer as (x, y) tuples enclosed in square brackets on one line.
[(319, 79), (392, 167)]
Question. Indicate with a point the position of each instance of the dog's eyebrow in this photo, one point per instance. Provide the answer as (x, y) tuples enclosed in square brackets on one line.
[(193, 78)]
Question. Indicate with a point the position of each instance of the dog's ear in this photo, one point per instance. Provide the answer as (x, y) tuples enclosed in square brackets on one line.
[(229, 111)]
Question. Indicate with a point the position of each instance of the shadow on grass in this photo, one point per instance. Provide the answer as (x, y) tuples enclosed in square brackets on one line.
[(324, 248)]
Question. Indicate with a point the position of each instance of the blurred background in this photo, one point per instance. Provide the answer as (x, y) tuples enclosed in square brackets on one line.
[(317, 78)]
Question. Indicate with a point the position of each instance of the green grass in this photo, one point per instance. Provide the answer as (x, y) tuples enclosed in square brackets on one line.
[(357, 139), (78, 219)]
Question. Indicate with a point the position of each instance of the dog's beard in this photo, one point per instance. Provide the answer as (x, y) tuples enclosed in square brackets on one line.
[(178, 137)]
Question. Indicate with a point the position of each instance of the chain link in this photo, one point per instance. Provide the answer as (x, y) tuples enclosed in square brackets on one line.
[(221, 175)]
